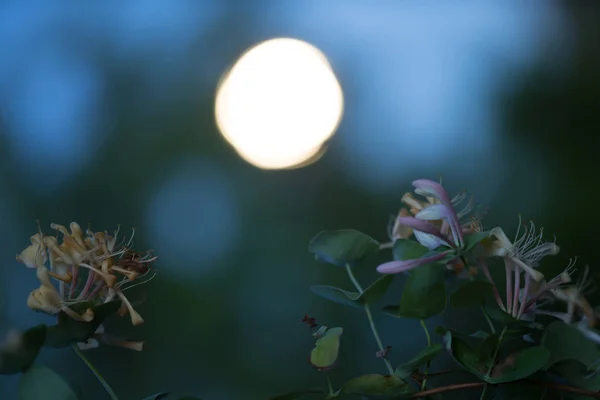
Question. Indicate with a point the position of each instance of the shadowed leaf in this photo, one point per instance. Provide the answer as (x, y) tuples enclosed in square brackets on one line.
[(69, 331), (374, 386), (406, 249), (470, 294), (424, 294), (405, 370), (566, 343), (342, 247), (40, 382), (354, 299), (21, 352)]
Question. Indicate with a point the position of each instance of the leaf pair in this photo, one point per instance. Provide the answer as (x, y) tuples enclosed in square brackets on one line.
[(480, 362), (353, 299)]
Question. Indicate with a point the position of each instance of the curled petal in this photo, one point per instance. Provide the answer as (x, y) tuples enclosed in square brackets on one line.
[(34, 256), (420, 225), (396, 267), (46, 299), (446, 213), (430, 241), (426, 187)]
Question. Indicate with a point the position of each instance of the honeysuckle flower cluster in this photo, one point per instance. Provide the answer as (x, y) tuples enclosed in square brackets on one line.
[(89, 268), (438, 222)]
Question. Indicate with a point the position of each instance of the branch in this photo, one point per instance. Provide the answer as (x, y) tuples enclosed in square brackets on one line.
[(550, 385)]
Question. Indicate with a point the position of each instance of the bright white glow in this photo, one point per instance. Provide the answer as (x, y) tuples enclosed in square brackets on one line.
[(279, 103)]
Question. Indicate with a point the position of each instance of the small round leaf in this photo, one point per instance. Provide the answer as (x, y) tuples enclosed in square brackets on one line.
[(326, 350)]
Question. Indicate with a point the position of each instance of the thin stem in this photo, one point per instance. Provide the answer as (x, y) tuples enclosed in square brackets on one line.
[(516, 292), (497, 349), (487, 318), (525, 295), (507, 268), (74, 281), (87, 362), (353, 279), (370, 317), (387, 245), (424, 326), (484, 391), (378, 339), (329, 385)]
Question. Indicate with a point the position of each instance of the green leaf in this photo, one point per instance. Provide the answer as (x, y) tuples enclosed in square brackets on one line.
[(69, 331), (405, 370), (20, 353), (566, 343), (299, 394), (424, 294), (474, 239), (41, 382), (525, 363), (471, 293), (376, 386), (406, 249), (342, 247), (354, 299), (326, 350)]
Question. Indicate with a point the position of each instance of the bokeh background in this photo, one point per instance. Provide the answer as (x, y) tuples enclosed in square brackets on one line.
[(107, 116)]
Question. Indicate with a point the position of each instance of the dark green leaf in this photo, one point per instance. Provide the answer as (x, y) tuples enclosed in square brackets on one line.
[(299, 394), (69, 331), (479, 334), (566, 343), (377, 289), (471, 293), (521, 391), (424, 294), (157, 396), (376, 386), (326, 350), (337, 295), (474, 239), (519, 366), (41, 382), (342, 247), (486, 349), (354, 299), (464, 355), (498, 315), (405, 370), (21, 351), (577, 374), (406, 249)]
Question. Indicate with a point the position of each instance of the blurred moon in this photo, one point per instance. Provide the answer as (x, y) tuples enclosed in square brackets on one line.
[(279, 104)]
